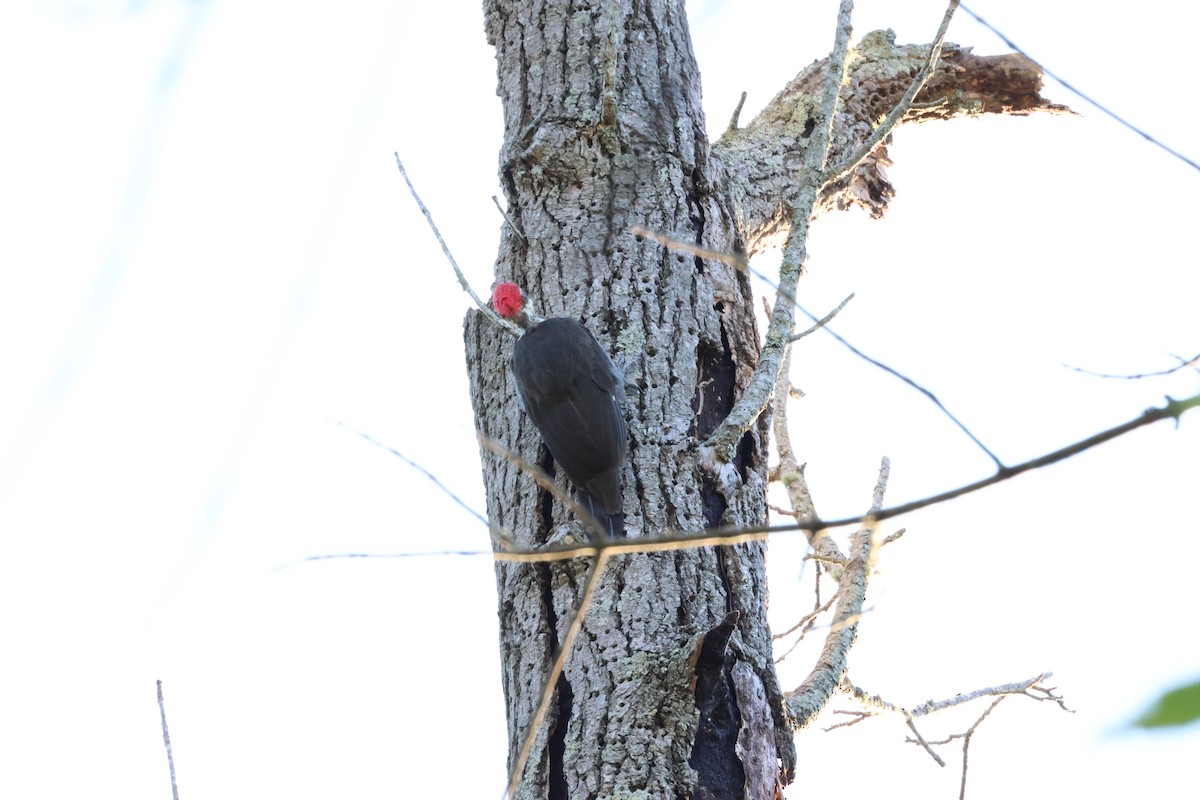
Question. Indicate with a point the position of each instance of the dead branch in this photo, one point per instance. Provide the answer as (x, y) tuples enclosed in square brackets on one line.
[(462, 280), (162, 712), (1183, 364), (873, 704), (721, 537), (807, 700)]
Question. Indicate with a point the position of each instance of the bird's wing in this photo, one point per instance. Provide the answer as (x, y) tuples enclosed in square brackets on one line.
[(571, 393)]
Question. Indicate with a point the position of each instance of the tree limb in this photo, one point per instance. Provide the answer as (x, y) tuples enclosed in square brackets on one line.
[(760, 160), (779, 330), (811, 696)]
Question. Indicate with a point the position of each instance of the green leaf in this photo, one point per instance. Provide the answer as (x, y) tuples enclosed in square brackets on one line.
[(1176, 707)]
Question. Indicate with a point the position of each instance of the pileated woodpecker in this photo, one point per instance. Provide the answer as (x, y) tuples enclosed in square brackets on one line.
[(569, 387)]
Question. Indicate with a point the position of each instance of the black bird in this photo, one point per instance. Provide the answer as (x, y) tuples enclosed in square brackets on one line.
[(569, 387)]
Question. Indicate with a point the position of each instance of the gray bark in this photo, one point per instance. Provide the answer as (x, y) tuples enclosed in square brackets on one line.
[(667, 692)]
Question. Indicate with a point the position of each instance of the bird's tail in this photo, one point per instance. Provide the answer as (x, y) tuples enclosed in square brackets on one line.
[(612, 525)]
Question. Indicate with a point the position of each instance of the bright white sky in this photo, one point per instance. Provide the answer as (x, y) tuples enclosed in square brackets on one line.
[(207, 261)]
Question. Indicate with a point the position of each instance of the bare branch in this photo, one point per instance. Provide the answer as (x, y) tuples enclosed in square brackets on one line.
[(1031, 688), (418, 468), (426, 554), (806, 621), (921, 741), (1069, 87), (780, 509), (1173, 409), (1019, 687), (732, 259), (810, 697), (1183, 364), (515, 228), (962, 786), (832, 562), (761, 158), (791, 474), (162, 712), (795, 253), (884, 128), (932, 397), (737, 112), (462, 280), (737, 261), (595, 529), (859, 716), (725, 537), (823, 321), (657, 544), (804, 626)]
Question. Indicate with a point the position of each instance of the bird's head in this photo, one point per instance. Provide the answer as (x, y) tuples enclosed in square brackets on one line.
[(510, 300)]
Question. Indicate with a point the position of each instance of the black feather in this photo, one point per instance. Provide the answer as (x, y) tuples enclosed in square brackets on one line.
[(574, 395)]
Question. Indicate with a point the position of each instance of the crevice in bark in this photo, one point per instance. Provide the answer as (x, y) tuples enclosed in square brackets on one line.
[(717, 374), (556, 780), (723, 573), (545, 499), (714, 504), (715, 384), (720, 773), (557, 746)]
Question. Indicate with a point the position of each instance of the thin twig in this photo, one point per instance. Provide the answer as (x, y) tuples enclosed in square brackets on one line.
[(832, 562), (823, 321), (1181, 365), (806, 620), (462, 280), (859, 716), (962, 786), (725, 537), (873, 702), (658, 544), (1174, 409), (783, 511), (720, 445), (508, 219), (921, 741), (932, 397), (595, 530), (423, 554), (162, 712), (737, 112), (1026, 687), (885, 127), (732, 259), (1071, 88), (1017, 687), (556, 668), (736, 260), (807, 700), (791, 474), (418, 468)]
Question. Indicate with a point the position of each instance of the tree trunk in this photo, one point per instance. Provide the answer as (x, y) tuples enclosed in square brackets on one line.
[(670, 690)]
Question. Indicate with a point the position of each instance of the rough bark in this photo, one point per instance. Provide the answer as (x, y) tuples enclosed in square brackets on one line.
[(670, 690)]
